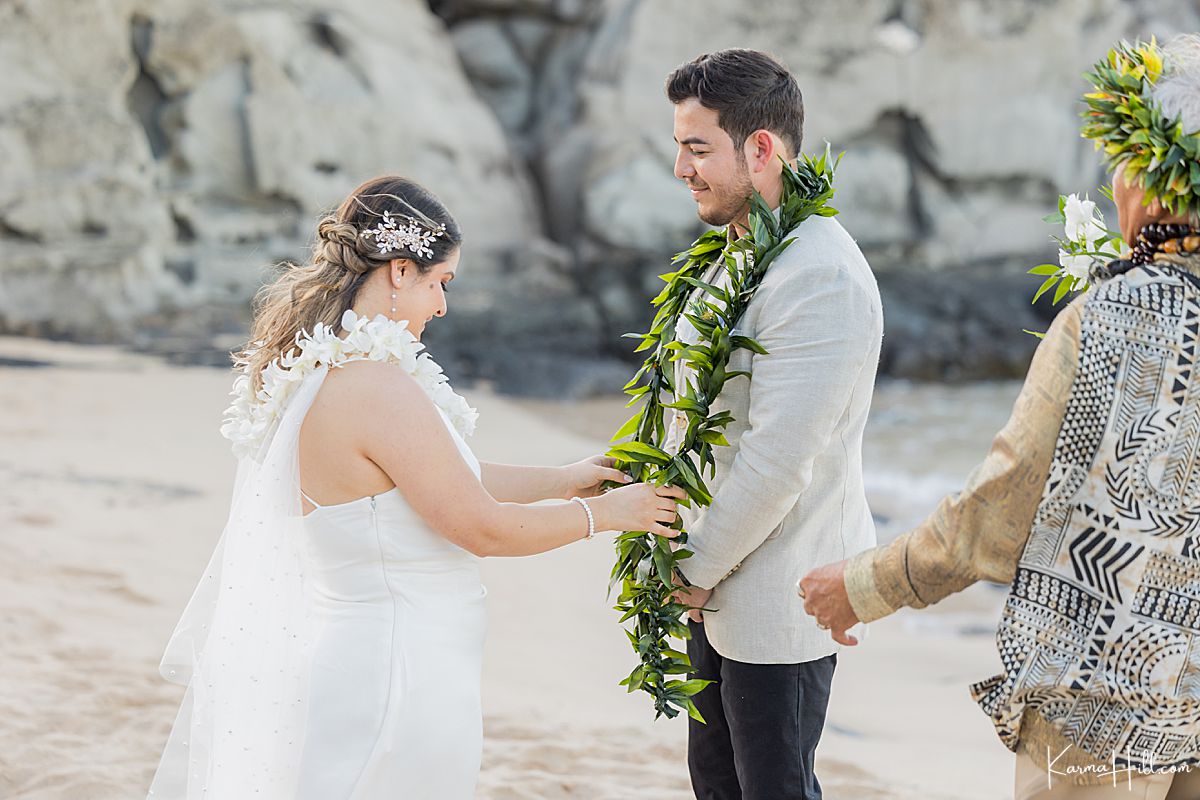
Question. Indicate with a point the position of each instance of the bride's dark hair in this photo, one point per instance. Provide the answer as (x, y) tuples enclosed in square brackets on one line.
[(322, 290)]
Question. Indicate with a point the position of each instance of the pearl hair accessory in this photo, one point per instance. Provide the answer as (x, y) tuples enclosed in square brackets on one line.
[(390, 235), (587, 510)]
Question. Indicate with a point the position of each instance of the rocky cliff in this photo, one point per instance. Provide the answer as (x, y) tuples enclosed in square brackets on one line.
[(156, 156)]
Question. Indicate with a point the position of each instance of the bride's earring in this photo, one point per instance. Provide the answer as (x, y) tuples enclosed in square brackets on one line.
[(395, 286)]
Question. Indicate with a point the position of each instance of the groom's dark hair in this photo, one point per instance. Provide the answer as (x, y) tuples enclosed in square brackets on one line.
[(749, 90)]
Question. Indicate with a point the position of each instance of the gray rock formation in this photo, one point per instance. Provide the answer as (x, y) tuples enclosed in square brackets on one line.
[(164, 153), (158, 155)]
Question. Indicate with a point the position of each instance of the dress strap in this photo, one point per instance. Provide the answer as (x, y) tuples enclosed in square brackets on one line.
[(314, 503)]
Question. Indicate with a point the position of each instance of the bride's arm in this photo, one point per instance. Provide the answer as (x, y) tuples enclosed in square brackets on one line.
[(510, 483), (519, 484), (396, 426)]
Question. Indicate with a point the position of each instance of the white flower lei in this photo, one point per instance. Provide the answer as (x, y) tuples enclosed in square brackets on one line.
[(250, 418)]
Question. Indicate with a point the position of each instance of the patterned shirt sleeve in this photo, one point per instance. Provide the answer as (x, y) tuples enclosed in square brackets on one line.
[(979, 533)]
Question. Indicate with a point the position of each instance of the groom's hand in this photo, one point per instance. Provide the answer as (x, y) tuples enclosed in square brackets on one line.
[(695, 598), (692, 596), (824, 593)]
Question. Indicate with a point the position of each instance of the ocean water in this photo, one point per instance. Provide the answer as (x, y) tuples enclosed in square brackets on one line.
[(921, 443), (923, 440)]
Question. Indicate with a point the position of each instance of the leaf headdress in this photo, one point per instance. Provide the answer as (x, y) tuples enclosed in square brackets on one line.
[(1132, 128)]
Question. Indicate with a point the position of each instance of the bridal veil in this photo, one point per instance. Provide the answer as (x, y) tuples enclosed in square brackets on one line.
[(241, 645)]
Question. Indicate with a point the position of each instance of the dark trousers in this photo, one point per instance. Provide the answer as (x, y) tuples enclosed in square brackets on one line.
[(764, 722)]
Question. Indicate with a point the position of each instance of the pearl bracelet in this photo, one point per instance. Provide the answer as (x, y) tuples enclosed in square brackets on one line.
[(591, 520)]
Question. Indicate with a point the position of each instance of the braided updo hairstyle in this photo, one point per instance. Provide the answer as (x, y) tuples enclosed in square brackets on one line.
[(302, 295)]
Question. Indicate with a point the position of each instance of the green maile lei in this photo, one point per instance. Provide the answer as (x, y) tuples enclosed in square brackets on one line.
[(645, 564)]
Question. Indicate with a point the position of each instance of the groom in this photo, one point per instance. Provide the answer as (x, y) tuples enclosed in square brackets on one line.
[(788, 491)]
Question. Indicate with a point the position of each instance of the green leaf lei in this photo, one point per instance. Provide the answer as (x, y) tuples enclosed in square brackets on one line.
[(646, 564)]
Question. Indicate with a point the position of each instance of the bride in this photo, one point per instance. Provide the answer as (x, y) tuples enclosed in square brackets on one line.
[(332, 649)]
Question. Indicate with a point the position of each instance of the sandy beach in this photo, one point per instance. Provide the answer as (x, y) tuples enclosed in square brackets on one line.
[(114, 485)]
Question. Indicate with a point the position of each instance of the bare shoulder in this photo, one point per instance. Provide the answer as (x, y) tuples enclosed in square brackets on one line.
[(369, 394), (386, 415), (367, 373)]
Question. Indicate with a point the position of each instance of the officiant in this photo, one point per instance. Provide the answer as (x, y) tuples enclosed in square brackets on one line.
[(1089, 501)]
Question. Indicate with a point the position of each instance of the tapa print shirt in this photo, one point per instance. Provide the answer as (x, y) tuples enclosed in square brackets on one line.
[(1089, 505)]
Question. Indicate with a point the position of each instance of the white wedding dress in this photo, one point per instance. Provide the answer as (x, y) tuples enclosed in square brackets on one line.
[(394, 696), (371, 691)]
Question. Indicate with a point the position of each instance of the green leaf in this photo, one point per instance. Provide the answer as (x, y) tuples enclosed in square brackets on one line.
[(1063, 289), (639, 452), (693, 484), (709, 288), (1045, 288), (707, 247), (687, 404), (1175, 155), (664, 564), (692, 687), (749, 344), (702, 325), (628, 429)]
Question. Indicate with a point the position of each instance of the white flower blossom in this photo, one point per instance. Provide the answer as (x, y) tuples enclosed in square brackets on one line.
[(1084, 224), (426, 368), (1077, 266), (1111, 248), (1078, 214), (252, 415)]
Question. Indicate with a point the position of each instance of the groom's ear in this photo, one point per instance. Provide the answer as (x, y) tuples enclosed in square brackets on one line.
[(761, 148)]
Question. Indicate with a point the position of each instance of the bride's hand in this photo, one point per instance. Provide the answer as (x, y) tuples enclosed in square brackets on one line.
[(587, 478), (639, 507)]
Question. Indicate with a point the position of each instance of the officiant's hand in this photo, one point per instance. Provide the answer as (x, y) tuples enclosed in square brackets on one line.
[(587, 478), (824, 593)]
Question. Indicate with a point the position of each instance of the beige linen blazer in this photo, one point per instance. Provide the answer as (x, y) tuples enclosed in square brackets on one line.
[(788, 491)]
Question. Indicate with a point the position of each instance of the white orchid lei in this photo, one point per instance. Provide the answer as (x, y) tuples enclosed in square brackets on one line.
[(249, 420), (1086, 243)]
